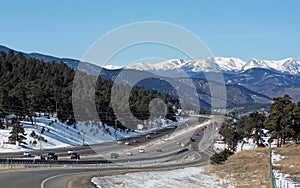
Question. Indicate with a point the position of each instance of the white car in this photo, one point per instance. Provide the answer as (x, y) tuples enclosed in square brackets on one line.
[(27, 154), (71, 151), (129, 153), (141, 151), (119, 142), (127, 143)]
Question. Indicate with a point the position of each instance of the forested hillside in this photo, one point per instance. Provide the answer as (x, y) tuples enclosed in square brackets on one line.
[(29, 86)]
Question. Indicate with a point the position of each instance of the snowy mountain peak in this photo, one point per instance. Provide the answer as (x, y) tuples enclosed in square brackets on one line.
[(165, 65), (223, 64), (288, 65)]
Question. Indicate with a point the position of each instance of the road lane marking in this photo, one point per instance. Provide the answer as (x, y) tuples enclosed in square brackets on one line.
[(56, 176)]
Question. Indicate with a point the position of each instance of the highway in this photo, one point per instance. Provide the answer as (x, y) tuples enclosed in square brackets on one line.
[(171, 151)]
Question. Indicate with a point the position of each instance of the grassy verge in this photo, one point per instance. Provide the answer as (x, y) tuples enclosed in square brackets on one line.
[(245, 169), (290, 162), (251, 168), (14, 166)]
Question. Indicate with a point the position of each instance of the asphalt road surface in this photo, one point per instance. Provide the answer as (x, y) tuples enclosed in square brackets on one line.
[(33, 178)]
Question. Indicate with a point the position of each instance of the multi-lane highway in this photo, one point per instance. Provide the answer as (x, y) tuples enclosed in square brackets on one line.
[(174, 143)]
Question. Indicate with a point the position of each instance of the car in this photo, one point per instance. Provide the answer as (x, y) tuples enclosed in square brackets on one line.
[(154, 132), (127, 143), (119, 142), (71, 151), (135, 141), (40, 156), (75, 156), (114, 155), (148, 136), (192, 139), (27, 154), (158, 150), (52, 156), (141, 151), (129, 153)]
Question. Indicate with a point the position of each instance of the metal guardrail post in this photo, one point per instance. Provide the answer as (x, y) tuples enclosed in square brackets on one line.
[(271, 169), (99, 171), (10, 161)]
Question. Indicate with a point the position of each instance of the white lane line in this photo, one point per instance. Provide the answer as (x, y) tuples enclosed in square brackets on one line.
[(53, 177)]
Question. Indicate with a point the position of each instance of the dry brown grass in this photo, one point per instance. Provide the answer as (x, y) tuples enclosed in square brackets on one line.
[(246, 169), (291, 164), (251, 168), (14, 166)]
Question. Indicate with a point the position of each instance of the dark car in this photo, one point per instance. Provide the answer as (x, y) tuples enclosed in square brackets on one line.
[(114, 155), (75, 156), (52, 156)]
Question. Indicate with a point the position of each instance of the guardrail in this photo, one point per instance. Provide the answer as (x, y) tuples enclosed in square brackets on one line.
[(62, 162)]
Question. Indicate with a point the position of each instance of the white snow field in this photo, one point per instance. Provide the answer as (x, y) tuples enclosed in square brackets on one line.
[(59, 134), (193, 177)]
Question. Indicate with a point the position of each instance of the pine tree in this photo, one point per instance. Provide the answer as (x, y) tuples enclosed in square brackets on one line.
[(296, 122), (278, 120), (229, 132), (17, 134), (254, 126)]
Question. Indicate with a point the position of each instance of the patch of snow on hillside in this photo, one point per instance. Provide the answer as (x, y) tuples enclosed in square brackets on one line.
[(282, 180)]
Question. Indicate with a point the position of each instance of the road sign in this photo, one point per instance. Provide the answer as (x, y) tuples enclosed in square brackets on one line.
[(234, 121)]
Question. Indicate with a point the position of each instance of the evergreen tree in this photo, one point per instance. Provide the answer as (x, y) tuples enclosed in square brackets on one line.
[(278, 122), (254, 127), (17, 133), (296, 122), (228, 131)]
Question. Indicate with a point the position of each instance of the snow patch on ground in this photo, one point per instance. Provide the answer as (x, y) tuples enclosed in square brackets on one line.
[(193, 177), (59, 134), (282, 180)]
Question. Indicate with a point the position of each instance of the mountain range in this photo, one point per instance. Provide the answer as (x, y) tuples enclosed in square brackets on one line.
[(255, 81), (220, 64)]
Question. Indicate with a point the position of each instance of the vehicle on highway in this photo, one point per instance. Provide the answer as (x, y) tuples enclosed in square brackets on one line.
[(127, 143), (75, 156), (40, 156), (114, 155), (141, 151), (71, 151), (192, 139), (129, 153), (135, 141), (52, 156), (27, 154), (158, 150), (148, 136), (119, 142)]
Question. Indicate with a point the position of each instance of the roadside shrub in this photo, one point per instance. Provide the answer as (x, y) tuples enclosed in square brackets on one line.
[(221, 157)]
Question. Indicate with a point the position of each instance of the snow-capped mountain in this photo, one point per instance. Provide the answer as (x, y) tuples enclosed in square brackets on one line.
[(288, 65), (220, 64)]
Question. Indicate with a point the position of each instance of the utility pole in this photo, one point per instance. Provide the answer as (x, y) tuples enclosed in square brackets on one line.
[(56, 107)]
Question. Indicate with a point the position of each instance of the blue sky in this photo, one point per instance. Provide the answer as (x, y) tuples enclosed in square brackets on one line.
[(243, 29)]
